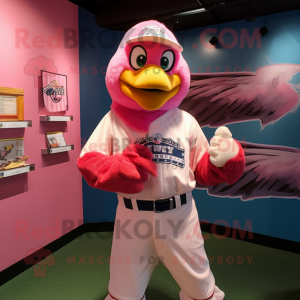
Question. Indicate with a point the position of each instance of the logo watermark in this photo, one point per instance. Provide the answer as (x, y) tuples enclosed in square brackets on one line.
[(154, 260), (68, 38), (139, 229), (39, 258)]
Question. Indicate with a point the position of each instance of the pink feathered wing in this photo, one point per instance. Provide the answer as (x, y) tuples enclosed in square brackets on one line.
[(271, 171), (216, 99)]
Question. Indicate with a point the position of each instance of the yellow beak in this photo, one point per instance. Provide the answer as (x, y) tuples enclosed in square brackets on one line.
[(151, 87)]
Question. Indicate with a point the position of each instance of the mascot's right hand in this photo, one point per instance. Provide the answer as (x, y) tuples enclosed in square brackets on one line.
[(120, 173), (136, 164)]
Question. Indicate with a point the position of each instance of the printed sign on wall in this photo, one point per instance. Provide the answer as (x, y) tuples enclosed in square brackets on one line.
[(55, 94), (10, 149)]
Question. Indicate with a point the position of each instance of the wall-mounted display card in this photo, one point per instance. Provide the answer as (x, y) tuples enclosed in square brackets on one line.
[(11, 104), (56, 139), (55, 95), (19, 161), (8, 105), (10, 149)]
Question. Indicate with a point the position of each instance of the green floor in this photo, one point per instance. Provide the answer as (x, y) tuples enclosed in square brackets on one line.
[(272, 274)]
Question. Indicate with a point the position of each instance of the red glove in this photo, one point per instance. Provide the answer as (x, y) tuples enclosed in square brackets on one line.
[(120, 173)]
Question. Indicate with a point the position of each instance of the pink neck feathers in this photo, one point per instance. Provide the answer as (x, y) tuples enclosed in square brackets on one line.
[(138, 120)]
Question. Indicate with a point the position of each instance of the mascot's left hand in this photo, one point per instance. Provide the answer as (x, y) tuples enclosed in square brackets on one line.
[(222, 147)]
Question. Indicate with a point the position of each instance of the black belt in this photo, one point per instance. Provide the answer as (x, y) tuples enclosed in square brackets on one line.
[(155, 205)]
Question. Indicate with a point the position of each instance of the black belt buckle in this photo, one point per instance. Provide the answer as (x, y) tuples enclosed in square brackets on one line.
[(171, 199), (154, 208)]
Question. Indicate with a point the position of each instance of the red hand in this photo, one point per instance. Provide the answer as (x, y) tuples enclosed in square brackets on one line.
[(123, 173)]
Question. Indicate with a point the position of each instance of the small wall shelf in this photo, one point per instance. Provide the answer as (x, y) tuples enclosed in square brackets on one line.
[(17, 171), (58, 149), (56, 118), (15, 124)]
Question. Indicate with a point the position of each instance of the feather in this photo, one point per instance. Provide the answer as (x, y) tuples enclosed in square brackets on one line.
[(271, 171), (217, 99)]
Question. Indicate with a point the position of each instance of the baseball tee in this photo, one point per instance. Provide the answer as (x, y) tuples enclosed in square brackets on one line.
[(176, 141)]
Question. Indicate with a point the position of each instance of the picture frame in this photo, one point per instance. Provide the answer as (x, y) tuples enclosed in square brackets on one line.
[(11, 104), (55, 139), (55, 92)]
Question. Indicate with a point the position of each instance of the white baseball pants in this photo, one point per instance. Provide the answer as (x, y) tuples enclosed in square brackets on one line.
[(142, 238)]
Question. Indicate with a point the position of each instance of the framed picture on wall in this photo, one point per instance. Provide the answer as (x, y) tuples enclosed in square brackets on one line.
[(55, 93), (56, 139), (11, 104)]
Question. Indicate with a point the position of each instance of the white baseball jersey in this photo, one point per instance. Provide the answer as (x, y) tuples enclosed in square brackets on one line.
[(176, 141)]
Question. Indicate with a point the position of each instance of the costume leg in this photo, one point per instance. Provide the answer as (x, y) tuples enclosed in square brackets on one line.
[(184, 255), (133, 255), (218, 294), (109, 297)]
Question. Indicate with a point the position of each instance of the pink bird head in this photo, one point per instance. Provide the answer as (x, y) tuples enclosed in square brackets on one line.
[(148, 72)]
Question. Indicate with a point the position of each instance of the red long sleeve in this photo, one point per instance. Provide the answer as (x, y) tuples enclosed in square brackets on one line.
[(208, 174)]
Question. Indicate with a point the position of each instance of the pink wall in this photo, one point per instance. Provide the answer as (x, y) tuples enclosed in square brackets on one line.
[(53, 192)]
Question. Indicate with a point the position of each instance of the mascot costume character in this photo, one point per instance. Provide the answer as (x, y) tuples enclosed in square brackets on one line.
[(152, 154)]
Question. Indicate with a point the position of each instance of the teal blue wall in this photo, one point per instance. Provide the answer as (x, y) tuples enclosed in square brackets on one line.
[(94, 56), (275, 217)]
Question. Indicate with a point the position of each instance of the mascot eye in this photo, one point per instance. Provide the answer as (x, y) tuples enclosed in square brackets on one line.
[(167, 60), (138, 57)]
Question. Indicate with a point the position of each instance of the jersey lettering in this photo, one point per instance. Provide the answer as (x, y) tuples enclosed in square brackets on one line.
[(165, 150)]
